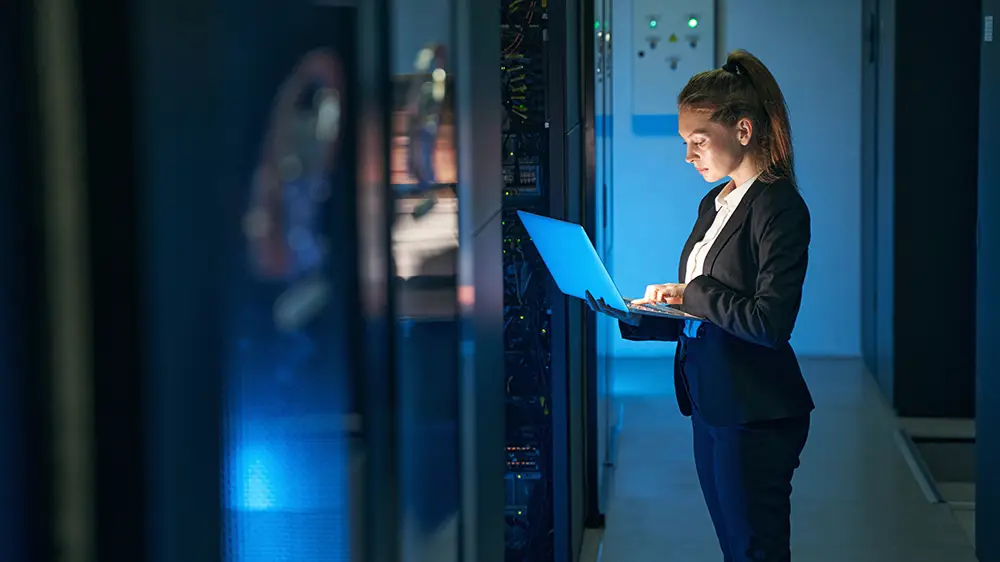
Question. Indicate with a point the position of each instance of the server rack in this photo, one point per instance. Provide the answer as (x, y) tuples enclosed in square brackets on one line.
[(544, 172)]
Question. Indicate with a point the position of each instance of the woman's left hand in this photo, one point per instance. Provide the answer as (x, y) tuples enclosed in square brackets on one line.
[(668, 293)]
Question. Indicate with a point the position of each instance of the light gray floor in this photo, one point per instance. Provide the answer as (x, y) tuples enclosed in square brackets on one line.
[(855, 498)]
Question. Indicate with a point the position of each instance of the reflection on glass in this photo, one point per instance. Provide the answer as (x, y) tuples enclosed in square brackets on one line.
[(287, 417), (425, 234), (425, 251)]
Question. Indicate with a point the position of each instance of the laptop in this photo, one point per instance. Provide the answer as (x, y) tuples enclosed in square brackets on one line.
[(572, 260)]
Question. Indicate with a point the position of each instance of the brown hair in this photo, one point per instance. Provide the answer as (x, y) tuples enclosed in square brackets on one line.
[(745, 88)]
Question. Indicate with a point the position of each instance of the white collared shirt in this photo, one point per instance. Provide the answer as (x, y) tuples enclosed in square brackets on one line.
[(725, 205)]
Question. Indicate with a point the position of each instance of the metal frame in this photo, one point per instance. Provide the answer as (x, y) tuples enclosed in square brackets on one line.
[(111, 374), (560, 201), (27, 388), (153, 291), (375, 375), (869, 185), (566, 102), (589, 189), (577, 33), (482, 390), (987, 301)]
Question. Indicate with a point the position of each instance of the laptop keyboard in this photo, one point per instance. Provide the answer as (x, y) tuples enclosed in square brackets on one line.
[(659, 307), (653, 307)]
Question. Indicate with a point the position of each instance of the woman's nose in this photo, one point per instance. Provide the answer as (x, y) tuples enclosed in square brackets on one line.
[(689, 155)]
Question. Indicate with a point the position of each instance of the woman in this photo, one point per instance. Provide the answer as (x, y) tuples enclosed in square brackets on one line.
[(742, 270)]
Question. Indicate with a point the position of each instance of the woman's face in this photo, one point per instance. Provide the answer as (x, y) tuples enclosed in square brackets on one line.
[(715, 150)]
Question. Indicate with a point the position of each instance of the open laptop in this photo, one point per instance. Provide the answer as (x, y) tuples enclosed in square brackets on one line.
[(573, 262)]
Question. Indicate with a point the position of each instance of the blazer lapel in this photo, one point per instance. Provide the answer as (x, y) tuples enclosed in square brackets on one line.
[(701, 226), (733, 224)]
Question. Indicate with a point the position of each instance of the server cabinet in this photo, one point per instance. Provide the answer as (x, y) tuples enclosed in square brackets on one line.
[(424, 278), (909, 230)]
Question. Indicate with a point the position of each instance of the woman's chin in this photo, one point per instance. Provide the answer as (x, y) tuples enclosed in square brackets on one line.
[(710, 176)]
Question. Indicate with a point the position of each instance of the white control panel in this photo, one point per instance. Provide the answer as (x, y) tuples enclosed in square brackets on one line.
[(672, 40)]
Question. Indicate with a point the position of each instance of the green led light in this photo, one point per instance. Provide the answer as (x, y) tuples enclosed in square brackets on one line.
[(693, 23), (652, 23), (597, 25)]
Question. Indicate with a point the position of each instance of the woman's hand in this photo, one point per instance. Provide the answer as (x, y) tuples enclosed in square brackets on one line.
[(667, 293), (598, 305)]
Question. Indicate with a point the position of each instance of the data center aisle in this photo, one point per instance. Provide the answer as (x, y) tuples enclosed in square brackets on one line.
[(855, 497)]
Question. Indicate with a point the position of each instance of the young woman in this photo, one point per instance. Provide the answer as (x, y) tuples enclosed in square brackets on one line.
[(741, 269)]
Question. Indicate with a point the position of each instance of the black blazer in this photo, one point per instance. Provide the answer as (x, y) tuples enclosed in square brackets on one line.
[(741, 368)]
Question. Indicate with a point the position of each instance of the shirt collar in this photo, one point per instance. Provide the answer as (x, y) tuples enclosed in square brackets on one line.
[(733, 198)]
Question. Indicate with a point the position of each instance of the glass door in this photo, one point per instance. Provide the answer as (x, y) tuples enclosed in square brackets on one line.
[(234, 351), (291, 413), (424, 282)]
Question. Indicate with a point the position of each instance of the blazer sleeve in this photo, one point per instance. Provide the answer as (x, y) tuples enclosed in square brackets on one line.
[(652, 328), (768, 316)]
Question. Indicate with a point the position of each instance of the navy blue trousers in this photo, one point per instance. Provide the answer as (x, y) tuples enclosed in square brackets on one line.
[(745, 473)]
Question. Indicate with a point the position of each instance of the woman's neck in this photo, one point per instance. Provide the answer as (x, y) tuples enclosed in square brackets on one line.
[(746, 171)]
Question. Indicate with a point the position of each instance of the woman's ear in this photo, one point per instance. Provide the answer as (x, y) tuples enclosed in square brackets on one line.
[(744, 131)]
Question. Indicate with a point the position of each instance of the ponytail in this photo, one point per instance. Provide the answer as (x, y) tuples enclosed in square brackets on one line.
[(745, 88)]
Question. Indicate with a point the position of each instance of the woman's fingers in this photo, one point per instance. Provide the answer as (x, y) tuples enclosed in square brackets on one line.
[(662, 292), (650, 294), (654, 294), (667, 300)]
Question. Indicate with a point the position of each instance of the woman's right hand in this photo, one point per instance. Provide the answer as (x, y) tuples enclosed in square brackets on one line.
[(598, 305), (668, 293)]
